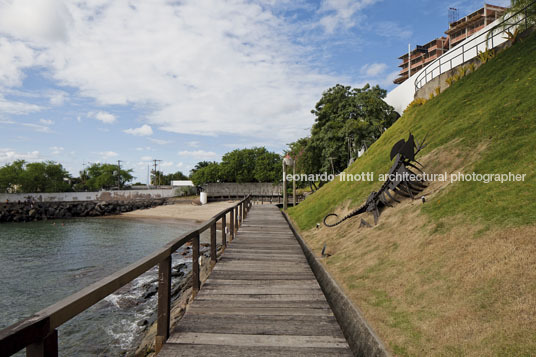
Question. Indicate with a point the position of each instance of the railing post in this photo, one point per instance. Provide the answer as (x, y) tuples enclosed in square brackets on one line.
[(48, 347), (232, 224), (237, 223), (223, 228), (242, 213), (196, 283), (164, 303), (213, 243)]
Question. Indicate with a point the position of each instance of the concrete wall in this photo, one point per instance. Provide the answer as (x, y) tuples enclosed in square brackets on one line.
[(120, 195), (440, 81), (360, 336), (243, 189)]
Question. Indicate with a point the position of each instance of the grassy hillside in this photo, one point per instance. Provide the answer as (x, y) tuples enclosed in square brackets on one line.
[(453, 276)]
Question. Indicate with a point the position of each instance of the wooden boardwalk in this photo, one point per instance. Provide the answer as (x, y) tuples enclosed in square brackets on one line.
[(261, 299)]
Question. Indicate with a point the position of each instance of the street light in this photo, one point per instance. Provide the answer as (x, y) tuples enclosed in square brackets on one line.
[(288, 161)]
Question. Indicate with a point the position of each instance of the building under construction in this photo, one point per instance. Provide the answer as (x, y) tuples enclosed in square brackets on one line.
[(459, 30)]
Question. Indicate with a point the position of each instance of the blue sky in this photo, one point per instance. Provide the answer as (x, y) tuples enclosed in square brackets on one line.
[(184, 81)]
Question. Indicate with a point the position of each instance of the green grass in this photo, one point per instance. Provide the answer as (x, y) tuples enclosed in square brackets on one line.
[(496, 106)]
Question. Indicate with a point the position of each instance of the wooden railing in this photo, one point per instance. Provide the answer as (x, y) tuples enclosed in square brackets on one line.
[(39, 334)]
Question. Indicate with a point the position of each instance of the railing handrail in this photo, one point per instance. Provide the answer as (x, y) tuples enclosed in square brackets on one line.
[(39, 326), (425, 72)]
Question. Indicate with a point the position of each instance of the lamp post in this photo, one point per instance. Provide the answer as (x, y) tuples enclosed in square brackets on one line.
[(287, 161)]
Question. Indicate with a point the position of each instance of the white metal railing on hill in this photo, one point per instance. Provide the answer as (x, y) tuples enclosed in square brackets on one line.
[(470, 48)]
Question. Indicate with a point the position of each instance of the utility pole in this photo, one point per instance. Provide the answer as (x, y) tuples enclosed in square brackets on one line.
[(155, 172), (119, 174)]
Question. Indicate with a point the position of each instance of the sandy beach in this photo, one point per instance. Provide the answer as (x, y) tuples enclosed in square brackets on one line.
[(180, 211)]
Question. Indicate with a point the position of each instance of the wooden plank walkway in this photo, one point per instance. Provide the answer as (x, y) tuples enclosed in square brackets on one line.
[(261, 299)]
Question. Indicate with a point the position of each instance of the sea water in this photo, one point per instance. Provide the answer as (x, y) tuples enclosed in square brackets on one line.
[(44, 262)]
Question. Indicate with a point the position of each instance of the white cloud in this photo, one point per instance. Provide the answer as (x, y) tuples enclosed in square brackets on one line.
[(144, 130), (14, 57), (35, 20), (106, 118), (373, 69), (197, 67), (9, 155), (389, 78), (160, 141), (146, 148), (193, 144), (146, 158), (200, 155), (341, 13), (57, 98), (35, 127), (392, 29), (46, 121), (166, 164), (56, 150), (17, 108), (108, 154)]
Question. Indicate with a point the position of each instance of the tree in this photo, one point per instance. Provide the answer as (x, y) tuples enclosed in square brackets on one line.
[(166, 179), (207, 174), (307, 158), (241, 165), (522, 6), (45, 176), (10, 176), (105, 176), (199, 165), (524, 10), (268, 166), (344, 115)]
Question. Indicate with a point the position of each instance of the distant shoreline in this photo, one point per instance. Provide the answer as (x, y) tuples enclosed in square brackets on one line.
[(181, 211)]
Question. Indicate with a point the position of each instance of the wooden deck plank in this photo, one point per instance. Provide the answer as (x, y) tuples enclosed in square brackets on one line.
[(263, 303), (256, 275), (257, 297), (263, 325), (228, 339), (189, 350), (261, 311), (261, 299), (275, 283)]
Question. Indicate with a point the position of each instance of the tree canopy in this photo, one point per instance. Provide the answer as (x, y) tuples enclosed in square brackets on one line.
[(346, 121), (240, 165), (99, 176), (159, 178), (21, 176)]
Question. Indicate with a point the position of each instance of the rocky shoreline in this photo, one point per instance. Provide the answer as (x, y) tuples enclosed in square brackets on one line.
[(181, 297), (36, 211)]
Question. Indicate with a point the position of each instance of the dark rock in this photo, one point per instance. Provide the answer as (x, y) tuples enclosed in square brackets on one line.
[(151, 292)]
